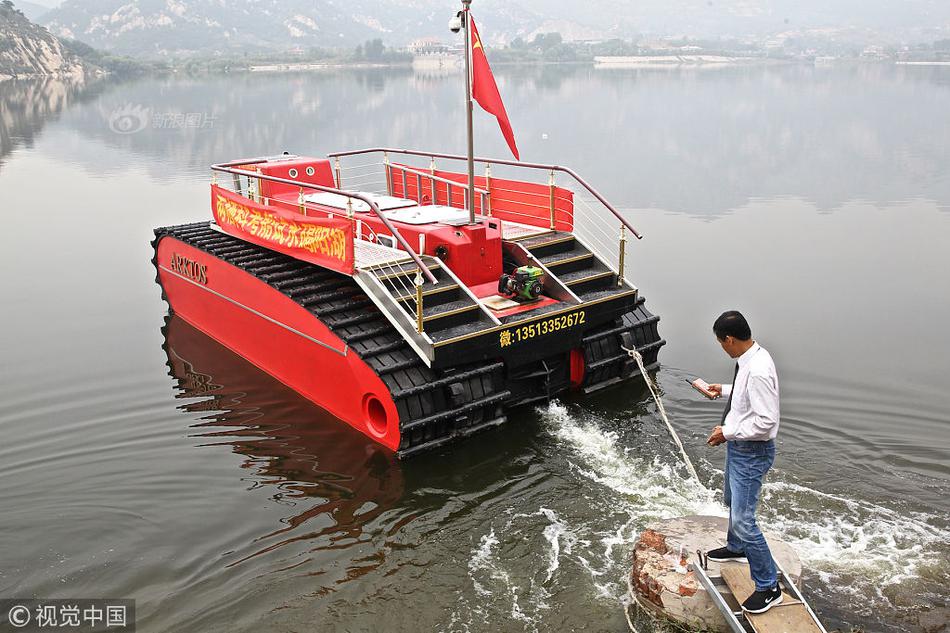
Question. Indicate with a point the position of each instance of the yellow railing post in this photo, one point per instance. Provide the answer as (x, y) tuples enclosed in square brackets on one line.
[(488, 187), (339, 177), (349, 207), (623, 246), (435, 190), (303, 209), (389, 176), (551, 185), (419, 302)]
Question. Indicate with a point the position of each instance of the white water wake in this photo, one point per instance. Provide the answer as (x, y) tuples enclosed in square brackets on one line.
[(857, 546), (520, 563), (533, 562)]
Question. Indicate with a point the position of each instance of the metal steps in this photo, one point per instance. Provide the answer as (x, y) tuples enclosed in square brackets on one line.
[(574, 265), (445, 304)]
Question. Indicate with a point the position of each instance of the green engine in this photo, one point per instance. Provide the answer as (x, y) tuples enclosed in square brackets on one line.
[(525, 283)]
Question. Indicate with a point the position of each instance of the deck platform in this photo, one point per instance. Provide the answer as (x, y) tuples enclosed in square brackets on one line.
[(372, 255), (517, 231)]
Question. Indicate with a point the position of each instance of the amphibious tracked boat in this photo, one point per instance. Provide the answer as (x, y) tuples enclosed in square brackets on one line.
[(373, 283)]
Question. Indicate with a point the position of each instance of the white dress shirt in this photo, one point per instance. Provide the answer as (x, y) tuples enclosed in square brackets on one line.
[(754, 413)]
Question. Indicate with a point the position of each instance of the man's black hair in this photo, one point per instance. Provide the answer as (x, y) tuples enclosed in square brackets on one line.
[(732, 323)]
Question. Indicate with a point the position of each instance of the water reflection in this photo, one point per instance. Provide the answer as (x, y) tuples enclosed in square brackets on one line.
[(703, 142), (26, 106), (313, 463)]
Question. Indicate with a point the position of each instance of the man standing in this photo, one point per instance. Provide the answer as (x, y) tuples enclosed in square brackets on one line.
[(749, 426)]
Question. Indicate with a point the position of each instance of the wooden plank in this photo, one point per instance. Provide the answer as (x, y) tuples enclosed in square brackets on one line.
[(782, 618), (738, 580), (788, 617)]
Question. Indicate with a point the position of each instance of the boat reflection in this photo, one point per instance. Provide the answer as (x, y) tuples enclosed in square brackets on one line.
[(310, 459)]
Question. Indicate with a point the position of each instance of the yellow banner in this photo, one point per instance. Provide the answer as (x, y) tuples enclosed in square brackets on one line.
[(321, 240)]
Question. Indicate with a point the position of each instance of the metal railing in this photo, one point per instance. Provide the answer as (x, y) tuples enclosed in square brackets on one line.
[(598, 224), (391, 274), (421, 176)]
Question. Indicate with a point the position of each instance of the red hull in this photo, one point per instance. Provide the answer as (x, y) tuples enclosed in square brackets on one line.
[(278, 335)]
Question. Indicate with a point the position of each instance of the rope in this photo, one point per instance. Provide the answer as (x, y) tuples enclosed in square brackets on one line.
[(659, 405)]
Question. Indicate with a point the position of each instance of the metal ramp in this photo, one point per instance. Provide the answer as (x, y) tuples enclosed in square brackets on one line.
[(729, 589), (446, 315), (424, 315)]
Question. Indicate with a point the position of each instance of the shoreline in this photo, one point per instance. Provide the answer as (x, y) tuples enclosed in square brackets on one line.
[(651, 62)]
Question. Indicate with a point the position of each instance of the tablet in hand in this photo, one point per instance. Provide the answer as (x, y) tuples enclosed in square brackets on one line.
[(702, 387)]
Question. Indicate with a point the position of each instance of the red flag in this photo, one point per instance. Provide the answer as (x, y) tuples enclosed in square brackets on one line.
[(484, 90)]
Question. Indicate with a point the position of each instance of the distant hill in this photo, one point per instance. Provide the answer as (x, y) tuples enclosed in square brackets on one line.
[(149, 28), (33, 11), (29, 50), (182, 27)]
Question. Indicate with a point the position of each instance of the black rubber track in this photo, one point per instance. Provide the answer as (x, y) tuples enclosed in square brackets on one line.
[(435, 406)]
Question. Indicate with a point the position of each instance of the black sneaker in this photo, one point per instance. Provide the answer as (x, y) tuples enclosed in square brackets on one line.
[(723, 554), (762, 601)]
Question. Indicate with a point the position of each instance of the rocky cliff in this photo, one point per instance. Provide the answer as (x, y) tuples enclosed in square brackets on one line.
[(29, 50)]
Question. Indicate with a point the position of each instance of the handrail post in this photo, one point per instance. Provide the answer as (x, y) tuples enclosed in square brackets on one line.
[(487, 187), (551, 187), (623, 246), (339, 176), (349, 208), (435, 188), (389, 176), (303, 209), (419, 302), (260, 186)]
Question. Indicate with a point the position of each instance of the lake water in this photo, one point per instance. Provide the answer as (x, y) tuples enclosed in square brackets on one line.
[(816, 200)]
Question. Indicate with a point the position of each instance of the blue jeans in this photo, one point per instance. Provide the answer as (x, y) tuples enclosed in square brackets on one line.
[(746, 465)]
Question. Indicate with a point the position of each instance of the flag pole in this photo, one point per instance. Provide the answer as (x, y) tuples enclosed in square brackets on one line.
[(466, 5)]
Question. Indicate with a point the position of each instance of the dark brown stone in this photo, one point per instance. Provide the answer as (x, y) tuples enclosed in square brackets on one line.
[(935, 621)]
